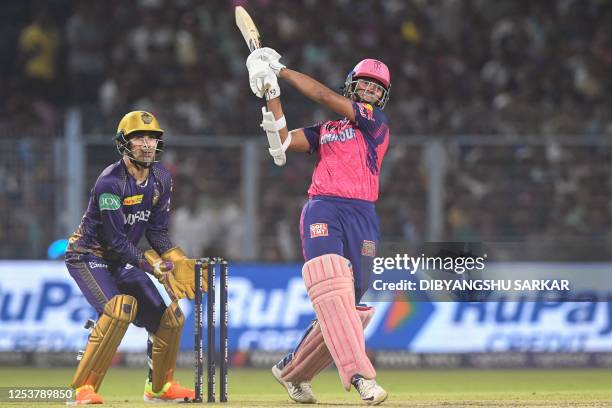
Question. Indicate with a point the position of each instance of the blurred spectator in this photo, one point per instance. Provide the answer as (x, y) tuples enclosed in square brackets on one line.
[(87, 39), (38, 53)]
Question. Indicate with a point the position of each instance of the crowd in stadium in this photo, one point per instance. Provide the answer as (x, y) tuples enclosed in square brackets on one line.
[(458, 67)]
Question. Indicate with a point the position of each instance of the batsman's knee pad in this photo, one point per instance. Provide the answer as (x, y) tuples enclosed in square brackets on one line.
[(104, 339), (329, 281), (311, 356), (166, 345)]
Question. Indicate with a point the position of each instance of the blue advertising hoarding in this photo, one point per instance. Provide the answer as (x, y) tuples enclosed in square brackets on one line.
[(41, 309)]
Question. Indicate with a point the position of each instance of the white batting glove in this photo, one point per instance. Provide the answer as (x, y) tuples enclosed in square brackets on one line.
[(271, 87), (271, 57), (265, 84), (258, 69)]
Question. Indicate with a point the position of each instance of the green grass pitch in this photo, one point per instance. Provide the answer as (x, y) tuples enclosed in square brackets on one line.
[(415, 388)]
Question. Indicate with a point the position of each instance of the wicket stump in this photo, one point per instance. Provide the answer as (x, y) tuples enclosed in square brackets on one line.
[(211, 264)]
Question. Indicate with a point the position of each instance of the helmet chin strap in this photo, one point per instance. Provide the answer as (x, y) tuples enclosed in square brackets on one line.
[(138, 163), (141, 164)]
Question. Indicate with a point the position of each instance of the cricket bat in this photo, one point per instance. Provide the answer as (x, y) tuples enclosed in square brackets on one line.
[(247, 28), (251, 37)]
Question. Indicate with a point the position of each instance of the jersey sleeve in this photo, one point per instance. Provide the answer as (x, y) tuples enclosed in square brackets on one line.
[(371, 120), (313, 134), (107, 195), (157, 227)]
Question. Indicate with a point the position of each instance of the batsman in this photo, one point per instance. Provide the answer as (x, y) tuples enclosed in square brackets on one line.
[(131, 198), (339, 226)]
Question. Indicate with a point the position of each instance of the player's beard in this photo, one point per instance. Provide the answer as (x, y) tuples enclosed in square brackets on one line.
[(143, 160)]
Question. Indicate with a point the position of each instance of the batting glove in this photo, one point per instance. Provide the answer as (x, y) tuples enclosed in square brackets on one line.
[(262, 80), (271, 57)]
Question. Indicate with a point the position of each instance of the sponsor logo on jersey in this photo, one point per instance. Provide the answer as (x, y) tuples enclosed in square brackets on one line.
[(368, 248), (318, 229), (366, 110), (133, 200), (109, 201), (93, 265), (131, 219), (342, 136)]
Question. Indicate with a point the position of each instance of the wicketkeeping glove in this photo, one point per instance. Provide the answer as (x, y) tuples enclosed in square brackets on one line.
[(184, 270), (162, 270)]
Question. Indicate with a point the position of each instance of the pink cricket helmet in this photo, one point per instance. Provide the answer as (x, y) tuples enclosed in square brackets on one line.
[(373, 69)]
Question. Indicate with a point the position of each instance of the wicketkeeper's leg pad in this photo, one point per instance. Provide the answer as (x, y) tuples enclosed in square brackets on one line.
[(166, 345), (104, 339), (329, 281), (312, 356)]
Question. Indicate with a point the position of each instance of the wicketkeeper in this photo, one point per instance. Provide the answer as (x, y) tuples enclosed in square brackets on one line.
[(339, 226), (131, 198)]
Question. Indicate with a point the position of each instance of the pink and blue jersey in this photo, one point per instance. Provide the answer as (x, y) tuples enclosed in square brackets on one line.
[(350, 154), (340, 217)]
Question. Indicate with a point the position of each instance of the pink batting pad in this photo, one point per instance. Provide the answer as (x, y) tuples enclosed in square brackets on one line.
[(329, 280), (312, 356)]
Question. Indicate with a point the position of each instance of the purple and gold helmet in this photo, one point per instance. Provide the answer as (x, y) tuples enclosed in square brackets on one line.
[(134, 123)]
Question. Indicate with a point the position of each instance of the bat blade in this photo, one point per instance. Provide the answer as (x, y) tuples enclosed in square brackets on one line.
[(247, 28)]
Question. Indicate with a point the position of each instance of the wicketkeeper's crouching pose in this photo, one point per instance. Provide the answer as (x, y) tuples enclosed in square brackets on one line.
[(339, 226), (131, 198)]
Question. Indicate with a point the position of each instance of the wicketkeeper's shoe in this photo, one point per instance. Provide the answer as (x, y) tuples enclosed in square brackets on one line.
[(86, 395), (299, 392), (171, 391), (370, 392)]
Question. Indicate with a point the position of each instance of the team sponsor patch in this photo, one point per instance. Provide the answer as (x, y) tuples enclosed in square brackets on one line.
[(109, 201), (318, 230), (366, 110), (342, 136), (93, 265), (368, 248), (131, 219), (133, 200)]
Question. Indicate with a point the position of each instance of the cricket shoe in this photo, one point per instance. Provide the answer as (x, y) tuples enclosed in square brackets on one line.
[(370, 392), (171, 391), (86, 395), (299, 392)]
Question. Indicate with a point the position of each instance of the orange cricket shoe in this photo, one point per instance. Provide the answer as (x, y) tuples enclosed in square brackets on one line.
[(171, 391), (86, 395)]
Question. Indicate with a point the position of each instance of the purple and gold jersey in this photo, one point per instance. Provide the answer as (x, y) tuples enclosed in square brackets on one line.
[(120, 211), (350, 154)]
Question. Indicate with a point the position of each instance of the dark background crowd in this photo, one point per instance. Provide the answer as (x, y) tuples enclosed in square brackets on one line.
[(507, 68), (458, 66)]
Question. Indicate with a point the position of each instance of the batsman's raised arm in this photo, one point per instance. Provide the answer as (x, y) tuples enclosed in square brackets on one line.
[(315, 90), (264, 83), (298, 141), (310, 87)]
